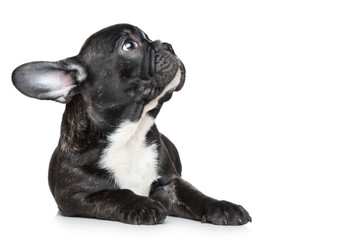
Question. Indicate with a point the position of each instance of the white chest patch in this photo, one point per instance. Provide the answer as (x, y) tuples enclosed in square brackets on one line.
[(128, 157), (132, 163)]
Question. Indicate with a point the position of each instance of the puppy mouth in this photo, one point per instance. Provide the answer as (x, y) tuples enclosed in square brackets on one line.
[(169, 84), (164, 66)]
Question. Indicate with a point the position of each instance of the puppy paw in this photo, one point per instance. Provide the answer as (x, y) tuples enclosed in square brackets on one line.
[(144, 211), (225, 213)]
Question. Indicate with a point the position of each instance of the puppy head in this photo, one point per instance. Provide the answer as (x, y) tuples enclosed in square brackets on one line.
[(116, 66)]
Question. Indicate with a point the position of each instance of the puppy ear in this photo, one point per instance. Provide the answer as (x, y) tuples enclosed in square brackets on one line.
[(56, 81)]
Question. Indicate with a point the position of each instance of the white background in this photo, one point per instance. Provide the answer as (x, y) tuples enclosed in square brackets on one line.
[(268, 117)]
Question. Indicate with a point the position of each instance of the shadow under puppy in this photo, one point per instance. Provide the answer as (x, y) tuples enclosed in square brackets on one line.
[(111, 161)]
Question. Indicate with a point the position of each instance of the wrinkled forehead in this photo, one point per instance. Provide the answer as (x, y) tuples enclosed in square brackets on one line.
[(105, 39), (134, 32), (126, 29)]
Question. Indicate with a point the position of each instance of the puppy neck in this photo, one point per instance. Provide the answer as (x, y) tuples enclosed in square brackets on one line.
[(77, 130)]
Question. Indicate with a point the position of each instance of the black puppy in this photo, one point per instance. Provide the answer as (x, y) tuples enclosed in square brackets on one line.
[(111, 161)]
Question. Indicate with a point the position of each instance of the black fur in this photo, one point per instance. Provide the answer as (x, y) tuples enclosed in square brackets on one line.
[(103, 86)]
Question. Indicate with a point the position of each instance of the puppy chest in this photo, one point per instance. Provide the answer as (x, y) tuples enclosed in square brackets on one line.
[(131, 161)]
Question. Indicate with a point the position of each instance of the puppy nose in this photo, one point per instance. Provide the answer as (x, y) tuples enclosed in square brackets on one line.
[(167, 47)]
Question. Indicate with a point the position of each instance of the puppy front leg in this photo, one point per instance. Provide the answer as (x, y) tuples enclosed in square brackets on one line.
[(121, 205), (183, 200)]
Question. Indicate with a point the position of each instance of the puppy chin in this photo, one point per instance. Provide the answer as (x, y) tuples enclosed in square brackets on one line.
[(169, 88), (174, 83)]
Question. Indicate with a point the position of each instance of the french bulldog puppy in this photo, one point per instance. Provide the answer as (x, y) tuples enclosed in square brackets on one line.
[(111, 161)]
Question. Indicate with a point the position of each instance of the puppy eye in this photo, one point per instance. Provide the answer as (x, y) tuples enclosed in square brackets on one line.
[(129, 45)]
